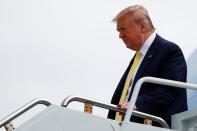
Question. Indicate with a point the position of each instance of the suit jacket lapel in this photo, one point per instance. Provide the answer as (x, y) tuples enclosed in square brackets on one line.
[(144, 63), (147, 58)]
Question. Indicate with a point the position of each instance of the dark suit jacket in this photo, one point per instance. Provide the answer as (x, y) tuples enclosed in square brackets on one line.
[(164, 59)]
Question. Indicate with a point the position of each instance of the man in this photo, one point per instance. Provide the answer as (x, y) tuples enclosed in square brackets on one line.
[(157, 58)]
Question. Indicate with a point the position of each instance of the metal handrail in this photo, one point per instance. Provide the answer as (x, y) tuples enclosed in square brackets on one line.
[(22, 110), (70, 99), (154, 80)]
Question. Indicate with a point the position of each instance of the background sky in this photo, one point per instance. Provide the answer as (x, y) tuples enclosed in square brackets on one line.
[(54, 48)]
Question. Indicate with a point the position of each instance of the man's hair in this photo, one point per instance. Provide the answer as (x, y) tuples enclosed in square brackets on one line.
[(138, 14)]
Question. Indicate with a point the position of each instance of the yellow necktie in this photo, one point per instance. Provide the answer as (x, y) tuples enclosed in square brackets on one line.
[(128, 82)]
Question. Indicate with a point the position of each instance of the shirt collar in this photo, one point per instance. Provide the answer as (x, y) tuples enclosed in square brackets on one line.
[(147, 43)]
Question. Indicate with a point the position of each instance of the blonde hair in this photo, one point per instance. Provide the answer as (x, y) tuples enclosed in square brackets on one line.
[(138, 14)]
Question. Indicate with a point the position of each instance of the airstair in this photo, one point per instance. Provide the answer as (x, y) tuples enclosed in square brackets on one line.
[(62, 118)]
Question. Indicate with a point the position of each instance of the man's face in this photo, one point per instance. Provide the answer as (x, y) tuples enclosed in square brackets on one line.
[(129, 32)]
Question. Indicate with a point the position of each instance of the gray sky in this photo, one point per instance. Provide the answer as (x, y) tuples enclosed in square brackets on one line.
[(54, 48)]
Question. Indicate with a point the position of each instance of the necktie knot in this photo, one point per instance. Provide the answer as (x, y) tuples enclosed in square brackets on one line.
[(138, 55)]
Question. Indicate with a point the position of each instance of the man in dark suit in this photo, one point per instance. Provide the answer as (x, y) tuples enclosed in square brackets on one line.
[(159, 58)]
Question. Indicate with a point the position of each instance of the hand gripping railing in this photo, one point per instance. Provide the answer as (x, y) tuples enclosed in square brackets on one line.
[(22, 110), (138, 85), (70, 99)]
